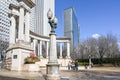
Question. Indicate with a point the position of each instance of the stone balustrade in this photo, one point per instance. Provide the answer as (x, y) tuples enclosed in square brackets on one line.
[(39, 41)]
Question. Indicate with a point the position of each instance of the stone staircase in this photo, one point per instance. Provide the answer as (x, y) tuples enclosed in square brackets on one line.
[(8, 63)]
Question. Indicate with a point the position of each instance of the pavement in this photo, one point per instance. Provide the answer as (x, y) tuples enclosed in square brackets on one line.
[(21, 75), (95, 73)]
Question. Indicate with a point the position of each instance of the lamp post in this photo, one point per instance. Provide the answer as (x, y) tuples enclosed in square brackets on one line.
[(90, 63), (52, 66)]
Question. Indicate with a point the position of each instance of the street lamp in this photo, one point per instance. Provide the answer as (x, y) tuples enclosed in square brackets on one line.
[(90, 62), (53, 22), (52, 66)]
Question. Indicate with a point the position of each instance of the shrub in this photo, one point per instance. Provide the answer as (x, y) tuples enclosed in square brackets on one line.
[(32, 59)]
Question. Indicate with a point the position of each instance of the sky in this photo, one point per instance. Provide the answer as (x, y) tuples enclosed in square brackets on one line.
[(96, 17)]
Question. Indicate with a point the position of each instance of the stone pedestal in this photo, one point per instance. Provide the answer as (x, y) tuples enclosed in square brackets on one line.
[(18, 52), (31, 67), (53, 72)]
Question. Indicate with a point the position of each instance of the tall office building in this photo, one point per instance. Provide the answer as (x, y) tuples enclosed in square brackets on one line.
[(39, 20), (32, 18), (71, 27), (4, 24)]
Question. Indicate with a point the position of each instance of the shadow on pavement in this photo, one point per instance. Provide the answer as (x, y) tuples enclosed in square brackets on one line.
[(10, 78)]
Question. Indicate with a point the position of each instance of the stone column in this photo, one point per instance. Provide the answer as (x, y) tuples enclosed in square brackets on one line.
[(12, 30), (53, 66), (34, 45), (68, 50), (36, 48), (47, 49), (60, 50), (40, 49), (53, 53), (21, 24), (27, 26)]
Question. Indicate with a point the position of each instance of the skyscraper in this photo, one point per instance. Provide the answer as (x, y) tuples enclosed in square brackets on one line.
[(71, 29), (4, 24), (39, 20)]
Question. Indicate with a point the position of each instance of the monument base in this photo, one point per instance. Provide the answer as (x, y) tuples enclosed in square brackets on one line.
[(53, 72), (18, 52), (53, 77)]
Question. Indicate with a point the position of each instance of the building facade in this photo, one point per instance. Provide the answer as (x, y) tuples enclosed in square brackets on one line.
[(39, 21), (4, 25), (71, 27)]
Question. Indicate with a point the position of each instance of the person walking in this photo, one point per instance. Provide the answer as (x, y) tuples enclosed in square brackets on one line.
[(69, 65), (76, 65)]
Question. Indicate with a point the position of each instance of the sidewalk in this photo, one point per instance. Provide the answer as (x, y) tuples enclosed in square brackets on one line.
[(22, 75), (108, 69), (72, 74)]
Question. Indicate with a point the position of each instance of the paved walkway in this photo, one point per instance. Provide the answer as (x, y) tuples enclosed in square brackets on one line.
[(22, 75), (96, 73), (109, 69)]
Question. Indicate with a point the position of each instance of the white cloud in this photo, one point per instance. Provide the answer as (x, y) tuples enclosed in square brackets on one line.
[(96, 36)]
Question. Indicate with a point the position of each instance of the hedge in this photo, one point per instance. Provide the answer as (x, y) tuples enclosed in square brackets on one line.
[(114, 61)]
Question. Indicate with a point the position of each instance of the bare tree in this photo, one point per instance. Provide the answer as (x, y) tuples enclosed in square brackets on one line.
[(76, 53), (112, 46), (82, 50), (89, 47), (102, 47)]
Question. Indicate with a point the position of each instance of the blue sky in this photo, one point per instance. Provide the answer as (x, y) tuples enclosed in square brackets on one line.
[(94, 16)]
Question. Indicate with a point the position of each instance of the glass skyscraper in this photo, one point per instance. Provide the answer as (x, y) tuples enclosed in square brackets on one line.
[(39, 21), (71, 29)]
